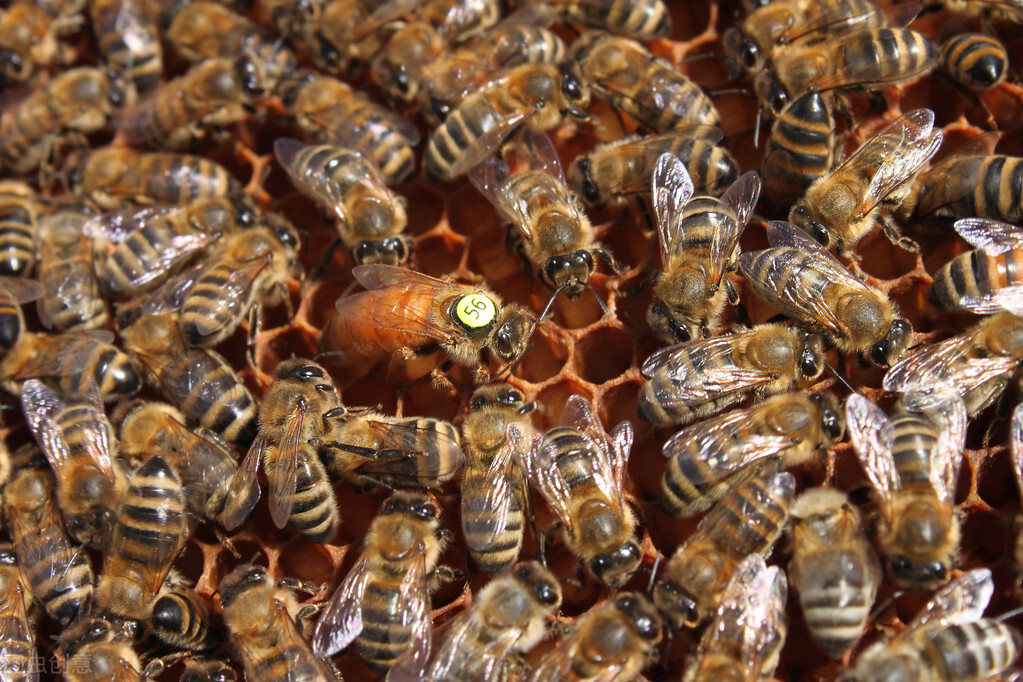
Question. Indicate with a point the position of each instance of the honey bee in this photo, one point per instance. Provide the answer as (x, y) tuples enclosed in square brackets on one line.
[(97, 650), (384, 602), (495, 494), (70, 364), (698, 237), (30, 35), (72, 298), (207, 670), (292, 18), (56, 573), (613, 640), (198, 381), (746, 634), (19, 224), (290, 417), (707, 459), (535, 95), (580, 471), (150, 529), (747, 520), (371, 218), (617, 171), (129, 40), (369, 449), (507, 617), (647, 88), (983, 280), (181, 618), (834, 568), (113, 177), (842, 207), (700, 378), (949, 639), (13, 292), (79, 444), (803, 280), (976, 365), (214, 486), (332, 111), (642, 19), (79, 100), (207, 30), (869, 59), (345, 31), (408, 311), (913, 461), (212, 92), (17, 634), (262, 619), (151, 243), (801, 149), (975, 60)]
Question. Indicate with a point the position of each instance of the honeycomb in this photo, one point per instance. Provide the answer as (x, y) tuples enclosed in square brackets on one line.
[(580, 350)]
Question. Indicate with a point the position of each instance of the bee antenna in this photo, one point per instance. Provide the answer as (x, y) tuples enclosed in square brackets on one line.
[(507, 371), (878, 610), (840, 377), (600, 302), (653, 574), (702, 56), (1010, 614), (756, 127)]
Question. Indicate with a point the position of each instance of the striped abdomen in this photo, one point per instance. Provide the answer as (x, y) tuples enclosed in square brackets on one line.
[(314, 513), (756, 510), (664, 99), (689, 485), (997, 188), (976, 60), (642, 19), (18, 226), (17, 644), (657, 389), (12, 321), (388, 145), (476, 116), (86, 490), (801, 148), (143, 256), (179, 179), (712, 168), (975, 273), (73, 299), (836, 591), (968, 651), (915, 439), (181, 618), (218, 301), (383, 638), (129, 40), (883, 56), (493, 554)]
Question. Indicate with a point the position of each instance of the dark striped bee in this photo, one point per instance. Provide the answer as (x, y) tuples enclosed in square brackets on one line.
[(15, 291), (207, 670), (700, 378), (72, 299), (30, 36), (699, 238), (17, 634), (182, 619), (799, 277), (128, 38), (20, 208), (99, 650), (639, 19), (977, 61), (984, 280), (801, 149), (384, 602)]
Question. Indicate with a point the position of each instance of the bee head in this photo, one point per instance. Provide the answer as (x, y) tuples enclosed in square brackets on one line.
[(540, 582), (811, 360), (14, 66), (642, 614), (743, 54), (614, 568), (671, 328), (919, 575), (889, 349), (801, 218), (390, 251), (582, 178), (570, 272), (677, 607)]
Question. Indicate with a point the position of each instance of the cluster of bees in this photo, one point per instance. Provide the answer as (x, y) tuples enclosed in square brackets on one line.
[(122, 219)]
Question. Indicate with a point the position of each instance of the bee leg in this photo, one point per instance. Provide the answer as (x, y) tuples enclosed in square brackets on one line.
[(327, 259), (255, 327), (440, 380), (895, 236), (302, 585), (226, 542), (636, 289), (444, 574), (156, 667)]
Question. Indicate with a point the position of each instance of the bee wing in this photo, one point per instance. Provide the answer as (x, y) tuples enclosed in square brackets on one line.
[(945, 366), (947, 456), (742, 197), (620, 446), (22, 290), (557, 664), (385, 12), (862, 72), (906, 144), (489, 141), (45, 546), (539, 462), (165, 298), (404, 440), (993, 236), (341, 620), (721, 518), (356, 130), (832, 19), (960, 600), (486, 511), (16, 630), (1016, 443), (490, 178), (282, 477), (233, 292), (41, 405), (414, 596), (486, 659), (243, 485), (117, 226), (672, 189), (537, 150), (872, 435)]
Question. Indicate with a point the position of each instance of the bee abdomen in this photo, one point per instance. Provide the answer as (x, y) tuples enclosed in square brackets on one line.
[(17, 650), (17, 236), (757, 514), (151, 517), (976, 60), (915, 440), (972, 651), (67, 595), (314, 513), (474, 117), (383, 637), (182, 621)]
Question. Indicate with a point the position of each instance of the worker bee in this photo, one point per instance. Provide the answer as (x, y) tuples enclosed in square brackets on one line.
[(647, 88), (371, 218), (801, 149), (345, 31), (198, 381), (495, 495), (700, 378), (129, 40), (97, 650), (747, 520), (642, 19), (616, 171), (984, 280), (20, 208), (207, 670), (181, 618), (870, 59), (580, 471), (949, 639), (79, 100), (976, 365), (263, 621), (79, 443), (556, 236), (746, 634), (698, 237), (842, 207), (15, 291), (507, 617), (214, 486), (384, 602), (70, 364), (332, 111), (803, 280), (535, 95), (208, 30), (149, 530), (408, 311), (72, 298), (834, 568), (977, 61), (17, 635), (707, 459), (30, 35), (290, 417), (613, 640), (151, 243), (55, 572), (913, 461)]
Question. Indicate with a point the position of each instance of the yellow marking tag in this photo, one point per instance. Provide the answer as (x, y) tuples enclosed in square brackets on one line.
[(476, 310)]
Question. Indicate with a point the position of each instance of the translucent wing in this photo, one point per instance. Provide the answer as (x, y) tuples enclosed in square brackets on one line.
[(357, 130), (946, 366), (485, 511), (536, 150), (41, 407), (619, 447), (22, 290), (960, 600), (341, 620), (117, 226), (16, 633), (434, 445), (243, 485), (611, 453), (540, 463), (950, 415), (672, 189), (414, 595), (741, 197), (831, 19), (872, 436), (165, 298), (1008, 299), (486, 659), (234, 292), (760, 492), (282, 469), (905, 144), (865, 71), (992, 236), (489, 140), (557, 664), (44, 546), (679, 142)]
